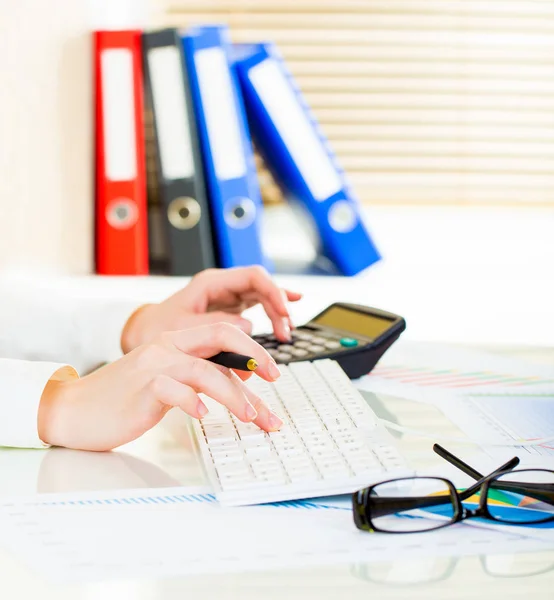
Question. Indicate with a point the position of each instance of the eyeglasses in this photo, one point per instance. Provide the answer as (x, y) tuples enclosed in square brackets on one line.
[(417, 504)]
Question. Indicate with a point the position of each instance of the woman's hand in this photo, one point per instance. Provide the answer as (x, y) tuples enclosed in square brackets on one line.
[(212, 296), (123, 400)]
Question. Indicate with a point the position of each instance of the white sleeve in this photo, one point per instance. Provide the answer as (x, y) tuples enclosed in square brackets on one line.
[(41, 332), (39, 324), (21, 385)]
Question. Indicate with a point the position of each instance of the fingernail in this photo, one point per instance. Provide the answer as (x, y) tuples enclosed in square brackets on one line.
[(273, 370), (286, 328), (275, 422), (202, 409), (251, 413)]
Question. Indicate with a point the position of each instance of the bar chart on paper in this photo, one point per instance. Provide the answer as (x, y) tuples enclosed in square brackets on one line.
[(455, 378), (509, 418), (424, 372)]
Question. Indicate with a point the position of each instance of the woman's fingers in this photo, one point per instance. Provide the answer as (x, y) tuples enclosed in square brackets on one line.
[(281, 325), (205, 377), (220, 316), (248, 281), (243, 375), (172, 393), (204, 342), (242, 287), (266, 419), (179, 378), (292, 296)]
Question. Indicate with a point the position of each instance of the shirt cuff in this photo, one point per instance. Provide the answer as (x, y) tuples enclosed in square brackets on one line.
[(21, 386), (114, 318), (97, 331)]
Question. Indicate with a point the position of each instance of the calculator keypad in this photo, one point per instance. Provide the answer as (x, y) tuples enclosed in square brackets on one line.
[(306, 344)]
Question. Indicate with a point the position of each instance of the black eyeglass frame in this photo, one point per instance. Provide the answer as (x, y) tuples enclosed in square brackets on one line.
[(363, 503)]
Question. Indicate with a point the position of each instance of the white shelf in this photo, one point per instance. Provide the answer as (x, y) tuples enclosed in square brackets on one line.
[(466, 275)]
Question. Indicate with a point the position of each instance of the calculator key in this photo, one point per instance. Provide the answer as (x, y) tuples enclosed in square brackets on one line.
[(301, 335), (316, 349), (318, 341), (268, 345), (332, 345), (284, 347), (302, 344), (282, 356), (348, 342), (298, 352), (327, 334), (273, 352)]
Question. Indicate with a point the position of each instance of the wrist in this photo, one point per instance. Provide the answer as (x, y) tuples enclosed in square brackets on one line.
[(52, 413), (132, 334)]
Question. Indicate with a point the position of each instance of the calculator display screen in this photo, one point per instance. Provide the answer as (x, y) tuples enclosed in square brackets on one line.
[(369, 326)]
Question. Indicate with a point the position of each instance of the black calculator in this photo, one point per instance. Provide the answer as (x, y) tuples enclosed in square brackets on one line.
[(355, 336)]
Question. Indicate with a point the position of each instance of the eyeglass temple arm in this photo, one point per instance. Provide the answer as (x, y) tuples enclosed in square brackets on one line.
[(465, 468), (457, 462), (467, 493)]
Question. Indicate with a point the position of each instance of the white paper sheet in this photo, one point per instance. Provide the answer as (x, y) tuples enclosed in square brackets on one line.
[(493, 400), (183, 531)]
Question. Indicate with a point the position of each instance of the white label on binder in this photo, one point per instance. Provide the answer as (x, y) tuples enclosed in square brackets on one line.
[(118, 101), (220, 110), (170, 111), (295, 129)]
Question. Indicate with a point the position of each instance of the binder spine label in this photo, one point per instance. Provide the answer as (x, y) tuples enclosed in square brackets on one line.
[(170, 106), (296, 130), (119, 114), (220, 112)]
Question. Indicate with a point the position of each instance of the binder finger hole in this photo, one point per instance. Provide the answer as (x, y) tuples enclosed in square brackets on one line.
[(184, 213), (342, 217), (122, 213), (240, 212)]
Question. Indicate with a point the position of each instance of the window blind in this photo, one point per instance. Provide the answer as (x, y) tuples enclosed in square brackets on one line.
[(424, 101)]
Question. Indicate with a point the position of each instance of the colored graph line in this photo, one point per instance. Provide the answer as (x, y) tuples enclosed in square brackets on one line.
[(132, 500), (453, 378), (173, 499)]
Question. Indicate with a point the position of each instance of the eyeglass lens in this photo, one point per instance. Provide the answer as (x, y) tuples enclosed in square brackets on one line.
[(411, 504), (521, 497)]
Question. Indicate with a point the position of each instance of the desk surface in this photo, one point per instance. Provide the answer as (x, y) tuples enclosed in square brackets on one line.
[(165, 457)]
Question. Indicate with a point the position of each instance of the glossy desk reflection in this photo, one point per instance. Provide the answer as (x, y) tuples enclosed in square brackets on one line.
[(164, 457)]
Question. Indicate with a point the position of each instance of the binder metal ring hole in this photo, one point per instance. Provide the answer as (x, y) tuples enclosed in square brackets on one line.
[(342, 217), (240, 212), (121, 213), (184, 213)]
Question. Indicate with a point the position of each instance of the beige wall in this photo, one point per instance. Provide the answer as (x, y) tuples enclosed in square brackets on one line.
[(45, 136), (46, 141)]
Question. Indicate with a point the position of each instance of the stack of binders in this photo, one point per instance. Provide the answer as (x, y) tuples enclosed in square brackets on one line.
[(177, 114)]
